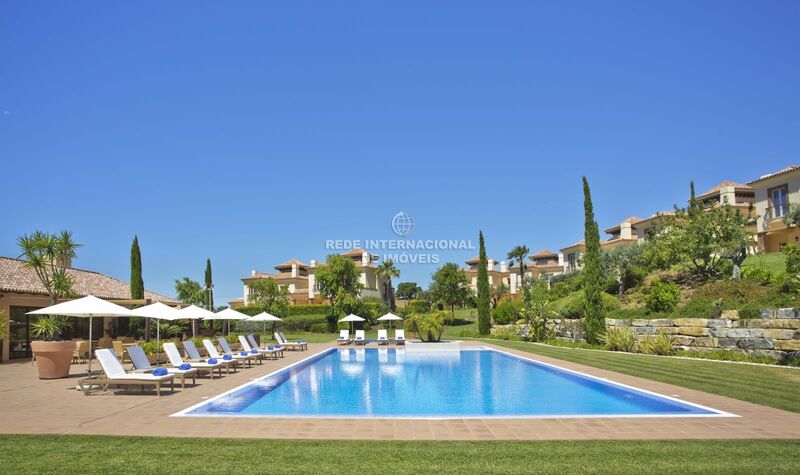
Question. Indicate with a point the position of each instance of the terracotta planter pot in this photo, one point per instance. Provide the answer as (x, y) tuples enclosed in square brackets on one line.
[(53, 358)]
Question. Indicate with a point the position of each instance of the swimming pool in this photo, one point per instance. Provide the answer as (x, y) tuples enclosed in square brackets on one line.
[(471, 383)]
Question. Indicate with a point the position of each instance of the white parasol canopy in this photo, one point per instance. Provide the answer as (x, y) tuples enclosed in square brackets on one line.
[(352, 318), (389, 316), (264, 317), (159, 311), (193, 312), (86, 307), (228, 314)]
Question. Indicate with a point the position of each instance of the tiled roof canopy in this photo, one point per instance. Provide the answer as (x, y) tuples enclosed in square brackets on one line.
[(779, 172), (290, 263), (16, 277), (544, 253), (715, 191)]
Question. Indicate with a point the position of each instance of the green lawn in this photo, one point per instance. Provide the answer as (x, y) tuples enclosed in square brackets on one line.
[(774, 262), (93, 454), (769, 386)]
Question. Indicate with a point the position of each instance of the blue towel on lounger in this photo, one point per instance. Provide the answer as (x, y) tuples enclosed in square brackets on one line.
[(185, 366), (244, 353), (270, 348), (212, 361), (227, 357), (278, 346), (160, 372), (254, 352)]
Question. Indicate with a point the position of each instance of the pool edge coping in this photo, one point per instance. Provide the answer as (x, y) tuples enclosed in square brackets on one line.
[(716, 413)]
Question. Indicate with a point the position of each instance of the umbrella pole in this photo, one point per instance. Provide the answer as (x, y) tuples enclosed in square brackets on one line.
[(90, 345), (158, 343)]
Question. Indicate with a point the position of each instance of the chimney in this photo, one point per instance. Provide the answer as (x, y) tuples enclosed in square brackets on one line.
[(294, 270), (364, 258), (727, 195), (252, 273), (490, 264), (313, 263), (625, 230), (503, 266)]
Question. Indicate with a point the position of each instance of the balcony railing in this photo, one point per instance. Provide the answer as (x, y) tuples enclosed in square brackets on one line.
[(777, 212)]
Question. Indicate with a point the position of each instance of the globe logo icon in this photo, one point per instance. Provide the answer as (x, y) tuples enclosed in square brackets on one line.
[(402, 224)]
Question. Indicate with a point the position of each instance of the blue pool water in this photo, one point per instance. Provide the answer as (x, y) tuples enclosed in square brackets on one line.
[(389, 382)]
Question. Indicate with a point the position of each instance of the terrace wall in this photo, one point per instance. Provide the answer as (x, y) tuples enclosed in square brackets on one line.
[(775, 334)]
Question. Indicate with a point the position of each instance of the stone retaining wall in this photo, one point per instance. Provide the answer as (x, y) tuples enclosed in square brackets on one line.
[(775, 334)]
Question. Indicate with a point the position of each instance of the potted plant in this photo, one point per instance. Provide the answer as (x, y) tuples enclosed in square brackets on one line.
[(53, 355), (50, 256)]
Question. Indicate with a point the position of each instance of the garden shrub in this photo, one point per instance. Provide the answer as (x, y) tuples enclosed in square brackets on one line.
[(659, 344), (620, 339), (506, 333), (732, 291), (750, 310), (662, 296), (507, 311), (308, 309), (699, 308), (759, 275), (572, 306), (319, 328), (302, 322)]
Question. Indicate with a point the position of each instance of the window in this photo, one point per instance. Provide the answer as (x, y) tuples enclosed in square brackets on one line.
[(779, 201), (571, 260)]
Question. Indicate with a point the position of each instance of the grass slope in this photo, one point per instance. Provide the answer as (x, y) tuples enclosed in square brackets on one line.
[(774, 262), (769, 386), (93, 454)]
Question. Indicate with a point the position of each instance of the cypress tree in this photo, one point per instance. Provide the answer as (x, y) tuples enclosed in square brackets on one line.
[(209, 284), (592, 274), (137, 283), (484, 318)]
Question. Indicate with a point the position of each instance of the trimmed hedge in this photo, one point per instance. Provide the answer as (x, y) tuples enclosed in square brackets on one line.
[(572, 306)]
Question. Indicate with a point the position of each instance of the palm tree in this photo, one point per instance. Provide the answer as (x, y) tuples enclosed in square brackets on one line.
[(50, 255), (388, 270), (519, 254)]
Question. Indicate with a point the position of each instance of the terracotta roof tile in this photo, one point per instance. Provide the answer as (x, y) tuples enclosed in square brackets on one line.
[(16, 277), (779, 172), (290, 263), (544, 253), (716, 189)]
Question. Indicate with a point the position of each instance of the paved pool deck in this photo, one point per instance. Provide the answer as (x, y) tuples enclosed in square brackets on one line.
[(33, 406)]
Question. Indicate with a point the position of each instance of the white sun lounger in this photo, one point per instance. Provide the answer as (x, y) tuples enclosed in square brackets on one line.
[(267, 350), (194, 355), (254, 351), (383, 339), (212, 352), (297, 345), (360, 338), (226, 348), (399, 337), (175, 360), (142, 365), (344, 337), (114, 374)]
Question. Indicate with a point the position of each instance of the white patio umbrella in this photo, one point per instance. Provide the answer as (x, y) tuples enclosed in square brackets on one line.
[(390, 317), (264, 317), (86, 307), (352, 318), (228, 314), (158, 311), (193, 312)]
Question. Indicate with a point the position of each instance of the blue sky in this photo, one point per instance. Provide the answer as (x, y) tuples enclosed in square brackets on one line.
[(251, 134)]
